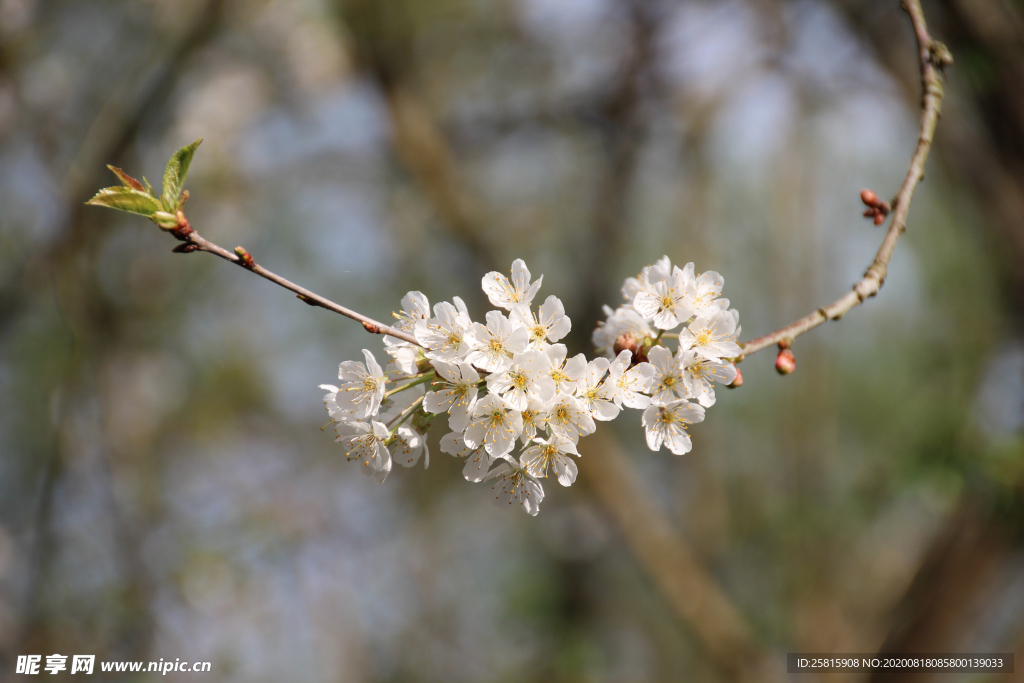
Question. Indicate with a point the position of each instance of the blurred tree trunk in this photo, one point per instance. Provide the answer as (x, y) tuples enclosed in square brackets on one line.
[(96, 325)]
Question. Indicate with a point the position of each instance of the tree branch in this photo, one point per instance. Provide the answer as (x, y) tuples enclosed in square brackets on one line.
[(934, 57), (196, 242)]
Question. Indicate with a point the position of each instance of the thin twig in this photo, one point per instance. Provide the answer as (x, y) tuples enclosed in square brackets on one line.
[(403, 416), (934, 57), (242, 258)]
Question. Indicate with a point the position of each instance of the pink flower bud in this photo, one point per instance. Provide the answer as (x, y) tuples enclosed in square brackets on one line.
[(785, 362), (625, 342), (738, 382), (869, 198)]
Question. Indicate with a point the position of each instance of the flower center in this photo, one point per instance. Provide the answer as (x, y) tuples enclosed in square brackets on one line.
[(519, 380), (538, 333), (667, 418), (669, 380), (704, 337), (497, 417)]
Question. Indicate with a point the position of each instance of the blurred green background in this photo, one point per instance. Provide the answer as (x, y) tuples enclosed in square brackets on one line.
[(165, 489)]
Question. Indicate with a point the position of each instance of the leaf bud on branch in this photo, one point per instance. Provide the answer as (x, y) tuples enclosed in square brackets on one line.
[(244, 258), (877, 209)]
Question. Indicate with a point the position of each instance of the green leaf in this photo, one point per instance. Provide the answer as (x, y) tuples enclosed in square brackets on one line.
[(174, 175), (126, 199), (126, 179)]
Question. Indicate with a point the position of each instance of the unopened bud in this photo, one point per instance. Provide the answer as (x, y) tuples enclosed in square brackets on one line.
[(244, 258), (869, 198), (645, 346), (785, 362), (625, 342), (879, 218), (166, 221), (738, 382)]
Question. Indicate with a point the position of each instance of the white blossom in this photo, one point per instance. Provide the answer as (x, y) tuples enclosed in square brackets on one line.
[(549, 325), (591, 394), (564, 373), (621, 321), (514, 484), (633, 285), (496, 342), (707, 289), (478, 460), (446, 336), (667, 425), (533, 391), (699, 374), (456, 395), (667, 383), (527, 377), (625, 383), (494, 425), (553, 453), (535, 418), (405, 356), (462, 312), (407, 447), (364, 441), (568, 418), (360, 392), (505, 294), (665, 299), (415, 307), (713, 337)]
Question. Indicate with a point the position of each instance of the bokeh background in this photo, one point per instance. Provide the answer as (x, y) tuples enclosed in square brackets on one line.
[(166, 491)]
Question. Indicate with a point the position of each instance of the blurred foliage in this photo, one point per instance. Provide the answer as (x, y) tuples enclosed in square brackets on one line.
[(166, 489)]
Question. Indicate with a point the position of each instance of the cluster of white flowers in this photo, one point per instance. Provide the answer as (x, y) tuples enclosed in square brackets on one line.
[(510, 382)]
